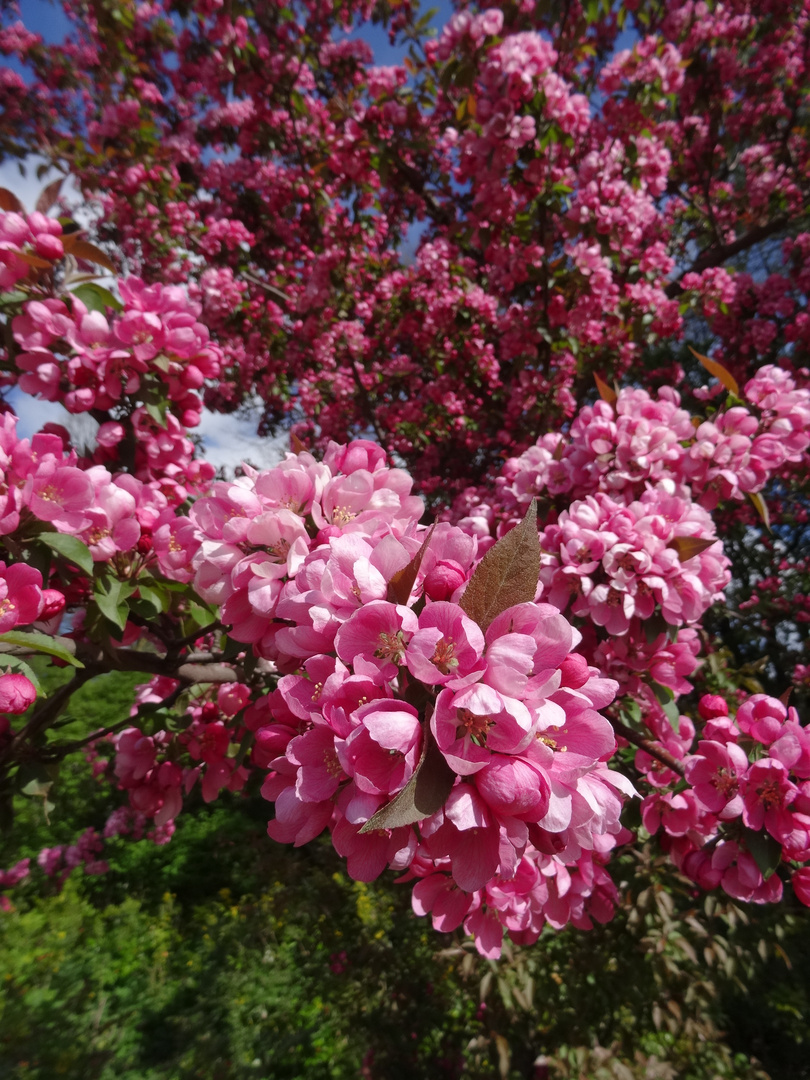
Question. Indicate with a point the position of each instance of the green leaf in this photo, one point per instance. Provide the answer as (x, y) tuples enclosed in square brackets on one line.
[(157, 412), (71, 548), (663, 693), (655, 626), (41, 643), (424, 794), (632, 711), (199, 615), (162, 363), (157, 599), (16, 296), (672, 713), (507, 574), (766, 852), (96, 298), (111, 596)]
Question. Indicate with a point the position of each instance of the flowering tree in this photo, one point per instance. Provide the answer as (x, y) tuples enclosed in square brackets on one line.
[(431, 274)]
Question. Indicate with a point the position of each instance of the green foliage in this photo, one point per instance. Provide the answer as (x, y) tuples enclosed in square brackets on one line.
[(223, 956), (301, 980)]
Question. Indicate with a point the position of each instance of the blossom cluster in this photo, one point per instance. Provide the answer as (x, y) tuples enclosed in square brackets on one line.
[(146, 766), (621, 447), (302, 560), (26, 240), (747, 775), (154, 358)]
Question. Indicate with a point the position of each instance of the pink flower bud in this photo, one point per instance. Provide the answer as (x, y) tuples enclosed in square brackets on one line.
[(53, 603), (443, 580), (49, 247), (110, 434), (16, 693), (711, 706), (574, 671), (231, 697)]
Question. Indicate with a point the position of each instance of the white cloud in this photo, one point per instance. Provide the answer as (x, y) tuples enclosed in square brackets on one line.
[(227, 440)]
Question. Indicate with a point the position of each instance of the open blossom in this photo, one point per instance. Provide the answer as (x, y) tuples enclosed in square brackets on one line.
[(715, 773)]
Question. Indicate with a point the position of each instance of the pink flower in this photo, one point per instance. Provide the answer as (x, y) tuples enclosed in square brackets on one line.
[(381, 754), (715, 773), (447, 648), (767, 794), (468, 838), (134, 756), (475, 723), (62, 495), (21, 597), (801, 884), (762, 717), (514, 787), (378, 633)]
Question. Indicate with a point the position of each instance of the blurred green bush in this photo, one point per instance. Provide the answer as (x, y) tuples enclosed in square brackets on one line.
[(223, 956)]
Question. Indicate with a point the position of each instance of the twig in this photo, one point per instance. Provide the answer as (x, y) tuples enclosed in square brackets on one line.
[(648, 746), (128, 721), (715, 256)]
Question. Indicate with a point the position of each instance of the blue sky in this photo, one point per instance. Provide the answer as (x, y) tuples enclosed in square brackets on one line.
[(47, 18)]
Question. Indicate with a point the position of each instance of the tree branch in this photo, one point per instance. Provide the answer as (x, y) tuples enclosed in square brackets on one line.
[(716, 256), (648, 746)]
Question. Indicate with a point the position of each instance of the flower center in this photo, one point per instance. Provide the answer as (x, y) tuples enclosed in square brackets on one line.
[(726, 783), (769, 794), (443, 656), (391, 647), (474, 726), (342, 515)]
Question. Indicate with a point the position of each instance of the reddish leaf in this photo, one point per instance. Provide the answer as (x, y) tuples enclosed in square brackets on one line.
[(689, 546), (34, 260), (296, 445), (784, 697), (507, 574), (719, 372), (49, 195), (10, 203), (400, 585), (424, 794), (605, 392), (761, 508), (81, 249)]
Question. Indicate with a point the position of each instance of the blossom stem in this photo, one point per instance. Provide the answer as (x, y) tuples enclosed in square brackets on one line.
[(648, 746)]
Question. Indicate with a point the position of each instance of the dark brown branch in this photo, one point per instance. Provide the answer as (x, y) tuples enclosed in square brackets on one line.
[(716, 256), (648, 746)]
